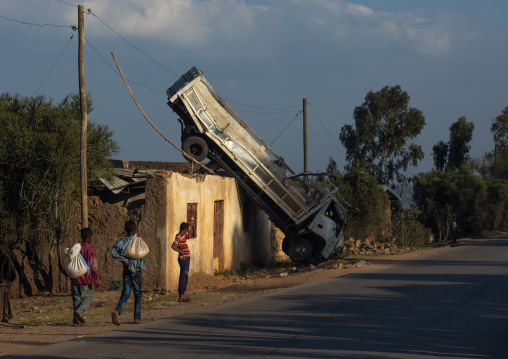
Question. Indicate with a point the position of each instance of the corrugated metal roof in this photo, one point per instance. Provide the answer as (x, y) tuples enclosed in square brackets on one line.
[(116, 185), (125, 177)]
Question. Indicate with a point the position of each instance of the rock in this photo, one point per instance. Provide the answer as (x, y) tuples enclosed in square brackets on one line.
[(284, 274), (361, 263)]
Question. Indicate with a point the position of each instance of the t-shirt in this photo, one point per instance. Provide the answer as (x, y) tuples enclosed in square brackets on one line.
[(181, 242), (90, 257)]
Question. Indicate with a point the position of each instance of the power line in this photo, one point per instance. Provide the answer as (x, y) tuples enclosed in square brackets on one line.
[(247, 111), (65, 2), (279, 110), (52, 67), (73, 27), (326, 130), (116, 72), (263, 108), (130, 43), (317, 139), (300, 111)]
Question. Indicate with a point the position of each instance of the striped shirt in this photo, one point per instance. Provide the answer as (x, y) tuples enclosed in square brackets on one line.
[(181, 242)]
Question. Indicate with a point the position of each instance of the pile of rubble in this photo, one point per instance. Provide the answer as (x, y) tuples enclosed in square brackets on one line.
[(369, 247)]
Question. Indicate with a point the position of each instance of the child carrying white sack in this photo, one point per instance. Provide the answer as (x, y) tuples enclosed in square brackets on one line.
[(76, 266)]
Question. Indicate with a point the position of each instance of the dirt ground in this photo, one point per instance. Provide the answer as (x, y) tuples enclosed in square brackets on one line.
[(47, 319)]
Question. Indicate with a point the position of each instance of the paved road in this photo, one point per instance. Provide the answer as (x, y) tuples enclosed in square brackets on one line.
[(449, 304)]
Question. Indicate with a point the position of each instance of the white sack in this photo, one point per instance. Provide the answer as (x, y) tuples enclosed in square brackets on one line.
[(136, 249), (76, 266)]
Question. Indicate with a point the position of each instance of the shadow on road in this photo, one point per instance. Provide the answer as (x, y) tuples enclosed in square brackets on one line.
[(413, 309)]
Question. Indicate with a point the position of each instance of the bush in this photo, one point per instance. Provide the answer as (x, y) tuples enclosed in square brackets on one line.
[(408, 232), (362, 191)]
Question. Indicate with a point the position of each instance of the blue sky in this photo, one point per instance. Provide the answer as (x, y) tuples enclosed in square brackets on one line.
[(264, 57)]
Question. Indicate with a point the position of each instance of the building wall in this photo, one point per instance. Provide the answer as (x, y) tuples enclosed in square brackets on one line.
[(237, 247)]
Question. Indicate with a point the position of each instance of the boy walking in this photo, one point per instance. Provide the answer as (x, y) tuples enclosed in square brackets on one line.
[(132, 275), (81, 287), (180, 246)]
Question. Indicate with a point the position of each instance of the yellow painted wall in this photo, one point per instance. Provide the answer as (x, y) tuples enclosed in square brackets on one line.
[(238, 246)]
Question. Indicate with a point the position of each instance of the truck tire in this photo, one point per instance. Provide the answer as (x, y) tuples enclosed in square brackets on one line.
[(196, 147), (300, 250)]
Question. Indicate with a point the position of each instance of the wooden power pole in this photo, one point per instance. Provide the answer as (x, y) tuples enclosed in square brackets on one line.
[(84, 120), (305, 153)]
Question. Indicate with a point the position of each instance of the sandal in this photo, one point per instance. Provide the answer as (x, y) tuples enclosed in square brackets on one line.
[(184, 300)]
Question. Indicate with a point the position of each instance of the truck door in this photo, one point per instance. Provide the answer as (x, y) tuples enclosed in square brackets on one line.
[(329, 224)]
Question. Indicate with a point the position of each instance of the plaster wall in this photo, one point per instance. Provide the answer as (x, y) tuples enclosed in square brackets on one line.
[(237, 245)]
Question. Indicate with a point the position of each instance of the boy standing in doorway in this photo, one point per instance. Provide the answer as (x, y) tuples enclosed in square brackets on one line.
[(180, 246)]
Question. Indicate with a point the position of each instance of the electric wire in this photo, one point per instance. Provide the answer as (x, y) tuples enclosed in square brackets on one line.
[(269, 110), (246, 111), (277, 110), (52, 67), (324, 127), (73, 27), (65, 2), (300, 111), (317, 139), (263, 108), (116, 72), (134, 46)]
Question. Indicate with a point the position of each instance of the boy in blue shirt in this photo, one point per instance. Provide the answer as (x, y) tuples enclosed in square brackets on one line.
[(132, 275)]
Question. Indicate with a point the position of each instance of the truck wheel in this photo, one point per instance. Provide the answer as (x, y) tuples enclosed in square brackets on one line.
[(300, 250), (196, 147)]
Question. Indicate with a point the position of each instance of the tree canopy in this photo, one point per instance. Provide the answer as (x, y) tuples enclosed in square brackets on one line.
[(380, 140), (453, 154), (40, 175)]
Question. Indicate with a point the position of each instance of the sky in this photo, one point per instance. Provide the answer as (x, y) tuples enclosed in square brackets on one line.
[(264, 58)]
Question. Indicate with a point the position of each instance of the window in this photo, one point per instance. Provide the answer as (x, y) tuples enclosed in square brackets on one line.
[(192, 210)]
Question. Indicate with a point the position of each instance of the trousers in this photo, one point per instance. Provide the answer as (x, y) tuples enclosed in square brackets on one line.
[(131, 281)]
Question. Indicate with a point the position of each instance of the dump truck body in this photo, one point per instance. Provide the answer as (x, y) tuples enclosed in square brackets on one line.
[(309, 215)]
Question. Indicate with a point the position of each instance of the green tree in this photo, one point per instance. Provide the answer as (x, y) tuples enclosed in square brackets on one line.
[(442, 195), (362, 191), (461, 134), (499, 130), (440, 155), (494, 164), (40, 178), (379, 142)]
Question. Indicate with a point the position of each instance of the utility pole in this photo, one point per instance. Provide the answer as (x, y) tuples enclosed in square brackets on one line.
[(305, 154), (84, 119)]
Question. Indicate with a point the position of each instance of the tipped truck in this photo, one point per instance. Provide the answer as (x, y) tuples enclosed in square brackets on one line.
[(309, 215)]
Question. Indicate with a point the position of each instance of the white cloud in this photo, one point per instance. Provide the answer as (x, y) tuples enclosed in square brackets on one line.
[(184, 21), (203, 22), (360, 10), (359, 24)]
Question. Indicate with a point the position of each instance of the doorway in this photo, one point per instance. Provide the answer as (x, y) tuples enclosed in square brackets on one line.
[(218, 229)]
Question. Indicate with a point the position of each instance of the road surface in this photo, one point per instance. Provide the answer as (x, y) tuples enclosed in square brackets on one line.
[(447, 304)]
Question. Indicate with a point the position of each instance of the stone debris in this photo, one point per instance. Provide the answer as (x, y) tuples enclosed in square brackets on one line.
[(369, 247)]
